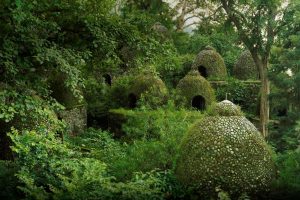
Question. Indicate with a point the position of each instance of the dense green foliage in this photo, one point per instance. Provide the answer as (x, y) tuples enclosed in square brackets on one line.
[(58, 57), (245, 94), (64, 173)]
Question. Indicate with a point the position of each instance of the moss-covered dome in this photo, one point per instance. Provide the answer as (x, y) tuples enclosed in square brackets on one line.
[(195, 91), (151, 87), (225, 150), (127, 55), (210, 63), (245, 67), (160, 29)]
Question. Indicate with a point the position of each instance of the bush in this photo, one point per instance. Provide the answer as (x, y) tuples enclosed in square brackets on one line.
[(152, 138), (118, 94), (8, 180), (99, 145), (53, 170), (287, 186), (24, 110), (244, 94)]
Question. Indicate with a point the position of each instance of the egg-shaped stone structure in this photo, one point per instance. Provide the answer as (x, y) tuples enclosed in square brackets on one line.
[(225, 150)]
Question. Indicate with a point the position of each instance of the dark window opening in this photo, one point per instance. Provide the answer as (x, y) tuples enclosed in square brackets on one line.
[(198, 102), (107, 79), (282, 112), (132, 101), (1, 71), (202, 71)]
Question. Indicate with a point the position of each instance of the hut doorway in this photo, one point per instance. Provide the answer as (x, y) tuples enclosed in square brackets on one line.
[(198, 102), (202, 70), (132, 100), (107, 79)]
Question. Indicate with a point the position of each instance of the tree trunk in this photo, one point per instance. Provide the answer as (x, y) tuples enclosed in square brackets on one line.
[(180, 23), (262, 65), (180, 18)]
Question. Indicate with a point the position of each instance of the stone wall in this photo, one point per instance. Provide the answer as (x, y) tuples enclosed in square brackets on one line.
[(76, 119)]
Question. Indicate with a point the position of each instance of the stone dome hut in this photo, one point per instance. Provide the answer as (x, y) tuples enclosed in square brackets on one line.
[(151, 87), (245, 67), (127, 55), (195, 91), (210, 64), (160, 30), (225, 150)]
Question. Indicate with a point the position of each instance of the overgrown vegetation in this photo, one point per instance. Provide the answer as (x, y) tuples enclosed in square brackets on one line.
[(104, 99)]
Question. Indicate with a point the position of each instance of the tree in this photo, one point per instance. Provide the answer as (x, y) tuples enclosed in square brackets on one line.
[(285, 78), (257, 24), (190, 12)]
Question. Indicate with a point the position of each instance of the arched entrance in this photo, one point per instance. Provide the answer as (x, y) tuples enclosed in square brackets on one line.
[(198, 102), (107, 79), (202, 70), (132, 100)]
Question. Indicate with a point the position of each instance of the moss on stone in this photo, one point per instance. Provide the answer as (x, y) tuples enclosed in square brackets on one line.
[(192, 85), (127, 55), (212, 62), (151, 88), (160, 30), (225, 151), (245, 67)]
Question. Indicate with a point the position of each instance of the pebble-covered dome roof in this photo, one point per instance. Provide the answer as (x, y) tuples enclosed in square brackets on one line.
[(225, 151), (245, 67), (226, 108), (193, 85), (210, 64), (151, 87)]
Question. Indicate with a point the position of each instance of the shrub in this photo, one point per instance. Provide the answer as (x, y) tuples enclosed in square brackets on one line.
[(118, 94), (153, 138), (242, 93), (8, 180), (52, 170), (24, 110), (287, 185), (98, 144)]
